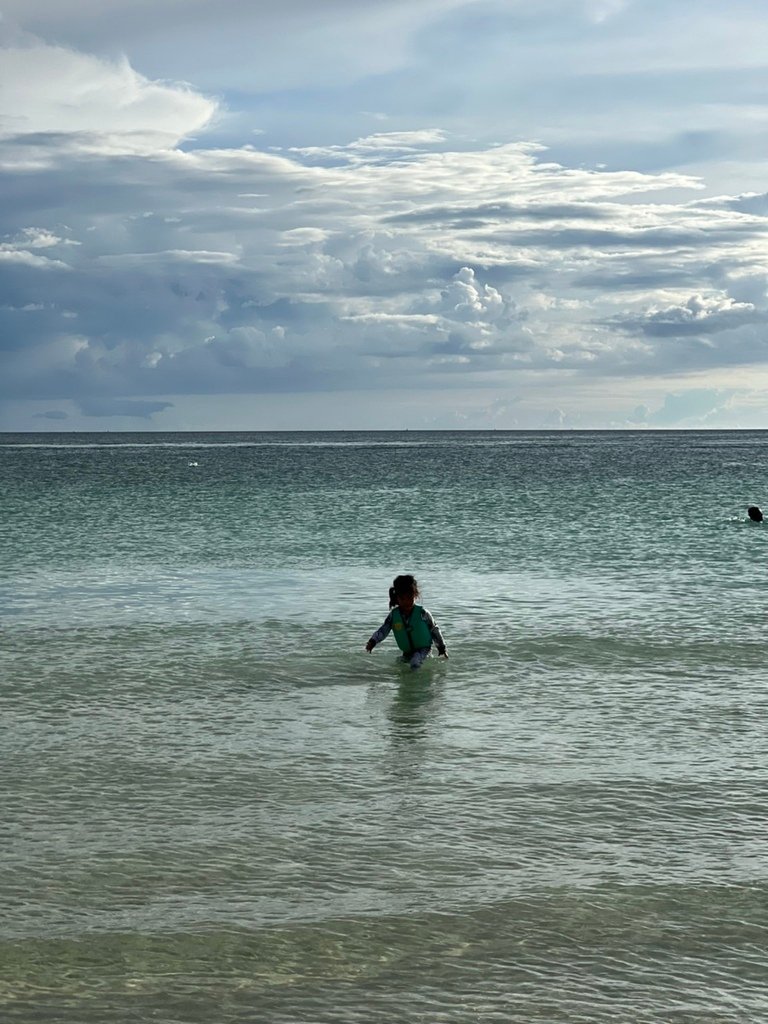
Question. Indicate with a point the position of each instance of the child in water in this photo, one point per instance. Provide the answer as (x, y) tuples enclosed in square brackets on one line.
[(414, 627)]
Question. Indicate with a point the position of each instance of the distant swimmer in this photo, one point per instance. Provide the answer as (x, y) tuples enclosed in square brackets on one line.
[(414, 627), (755, 514)]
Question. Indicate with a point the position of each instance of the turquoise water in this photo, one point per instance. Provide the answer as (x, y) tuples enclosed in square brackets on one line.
[(217, 807)]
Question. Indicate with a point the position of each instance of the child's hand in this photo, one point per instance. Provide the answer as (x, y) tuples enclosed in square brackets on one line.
[(369, 646), (443, 654)]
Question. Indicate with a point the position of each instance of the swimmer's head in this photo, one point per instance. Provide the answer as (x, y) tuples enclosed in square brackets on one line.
[(755, 514)]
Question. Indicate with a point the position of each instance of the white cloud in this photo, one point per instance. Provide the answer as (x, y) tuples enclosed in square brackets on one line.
[(35, 238), (698, 315), (466, 299), (46, 88), (419, 319), (168, 257), (29, 259), (386, 143)]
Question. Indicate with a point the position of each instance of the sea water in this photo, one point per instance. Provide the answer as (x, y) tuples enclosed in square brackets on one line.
[(217, 807)]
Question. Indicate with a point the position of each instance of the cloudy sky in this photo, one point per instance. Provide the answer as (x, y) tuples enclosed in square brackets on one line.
[(241, 214)]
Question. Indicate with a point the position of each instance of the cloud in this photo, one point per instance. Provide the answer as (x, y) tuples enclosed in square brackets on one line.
[(691, 408), (751, 203), (484, 213), (29, 259), (101, 105), (34, 238), (238, 43), (168, 258), (101, 407), (146, 258), (51, 414), (371, 147), (188, 263), (467, 300), (699, 315)]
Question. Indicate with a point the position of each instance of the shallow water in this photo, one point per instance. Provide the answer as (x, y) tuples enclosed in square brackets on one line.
[(219, 808)]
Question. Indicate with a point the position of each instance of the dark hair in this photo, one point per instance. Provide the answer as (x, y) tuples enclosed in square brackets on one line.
[(402, 586), (755, 514)]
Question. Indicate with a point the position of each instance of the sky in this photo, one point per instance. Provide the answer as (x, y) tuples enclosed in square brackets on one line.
[(422, 214)]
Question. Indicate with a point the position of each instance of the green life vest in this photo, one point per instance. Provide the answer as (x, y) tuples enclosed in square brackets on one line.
[(415, 634)]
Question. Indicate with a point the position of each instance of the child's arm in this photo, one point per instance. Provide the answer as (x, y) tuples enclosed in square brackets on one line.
[(437, 636), (382, 632)]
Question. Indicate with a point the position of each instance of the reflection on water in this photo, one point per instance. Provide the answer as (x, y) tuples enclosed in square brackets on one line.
[(413, 706)]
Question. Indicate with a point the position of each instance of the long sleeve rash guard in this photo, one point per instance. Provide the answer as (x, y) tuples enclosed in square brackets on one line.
[(386, 627)]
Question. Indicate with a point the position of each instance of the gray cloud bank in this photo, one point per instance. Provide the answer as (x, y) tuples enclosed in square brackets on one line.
[(137, 263)]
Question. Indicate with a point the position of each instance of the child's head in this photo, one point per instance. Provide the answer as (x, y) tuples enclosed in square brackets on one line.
[(403, 592)]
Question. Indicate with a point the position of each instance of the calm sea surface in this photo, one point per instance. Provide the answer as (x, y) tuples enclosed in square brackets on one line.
[(216, 807)]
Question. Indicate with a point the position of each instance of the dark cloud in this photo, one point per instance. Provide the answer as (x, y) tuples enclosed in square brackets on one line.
[(608, 240), (486, 213), (101, 407), (628, 280), (52, 414), (696, 318)]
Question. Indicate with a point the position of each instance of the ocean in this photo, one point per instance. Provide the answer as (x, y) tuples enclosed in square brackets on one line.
[(216, 807)]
